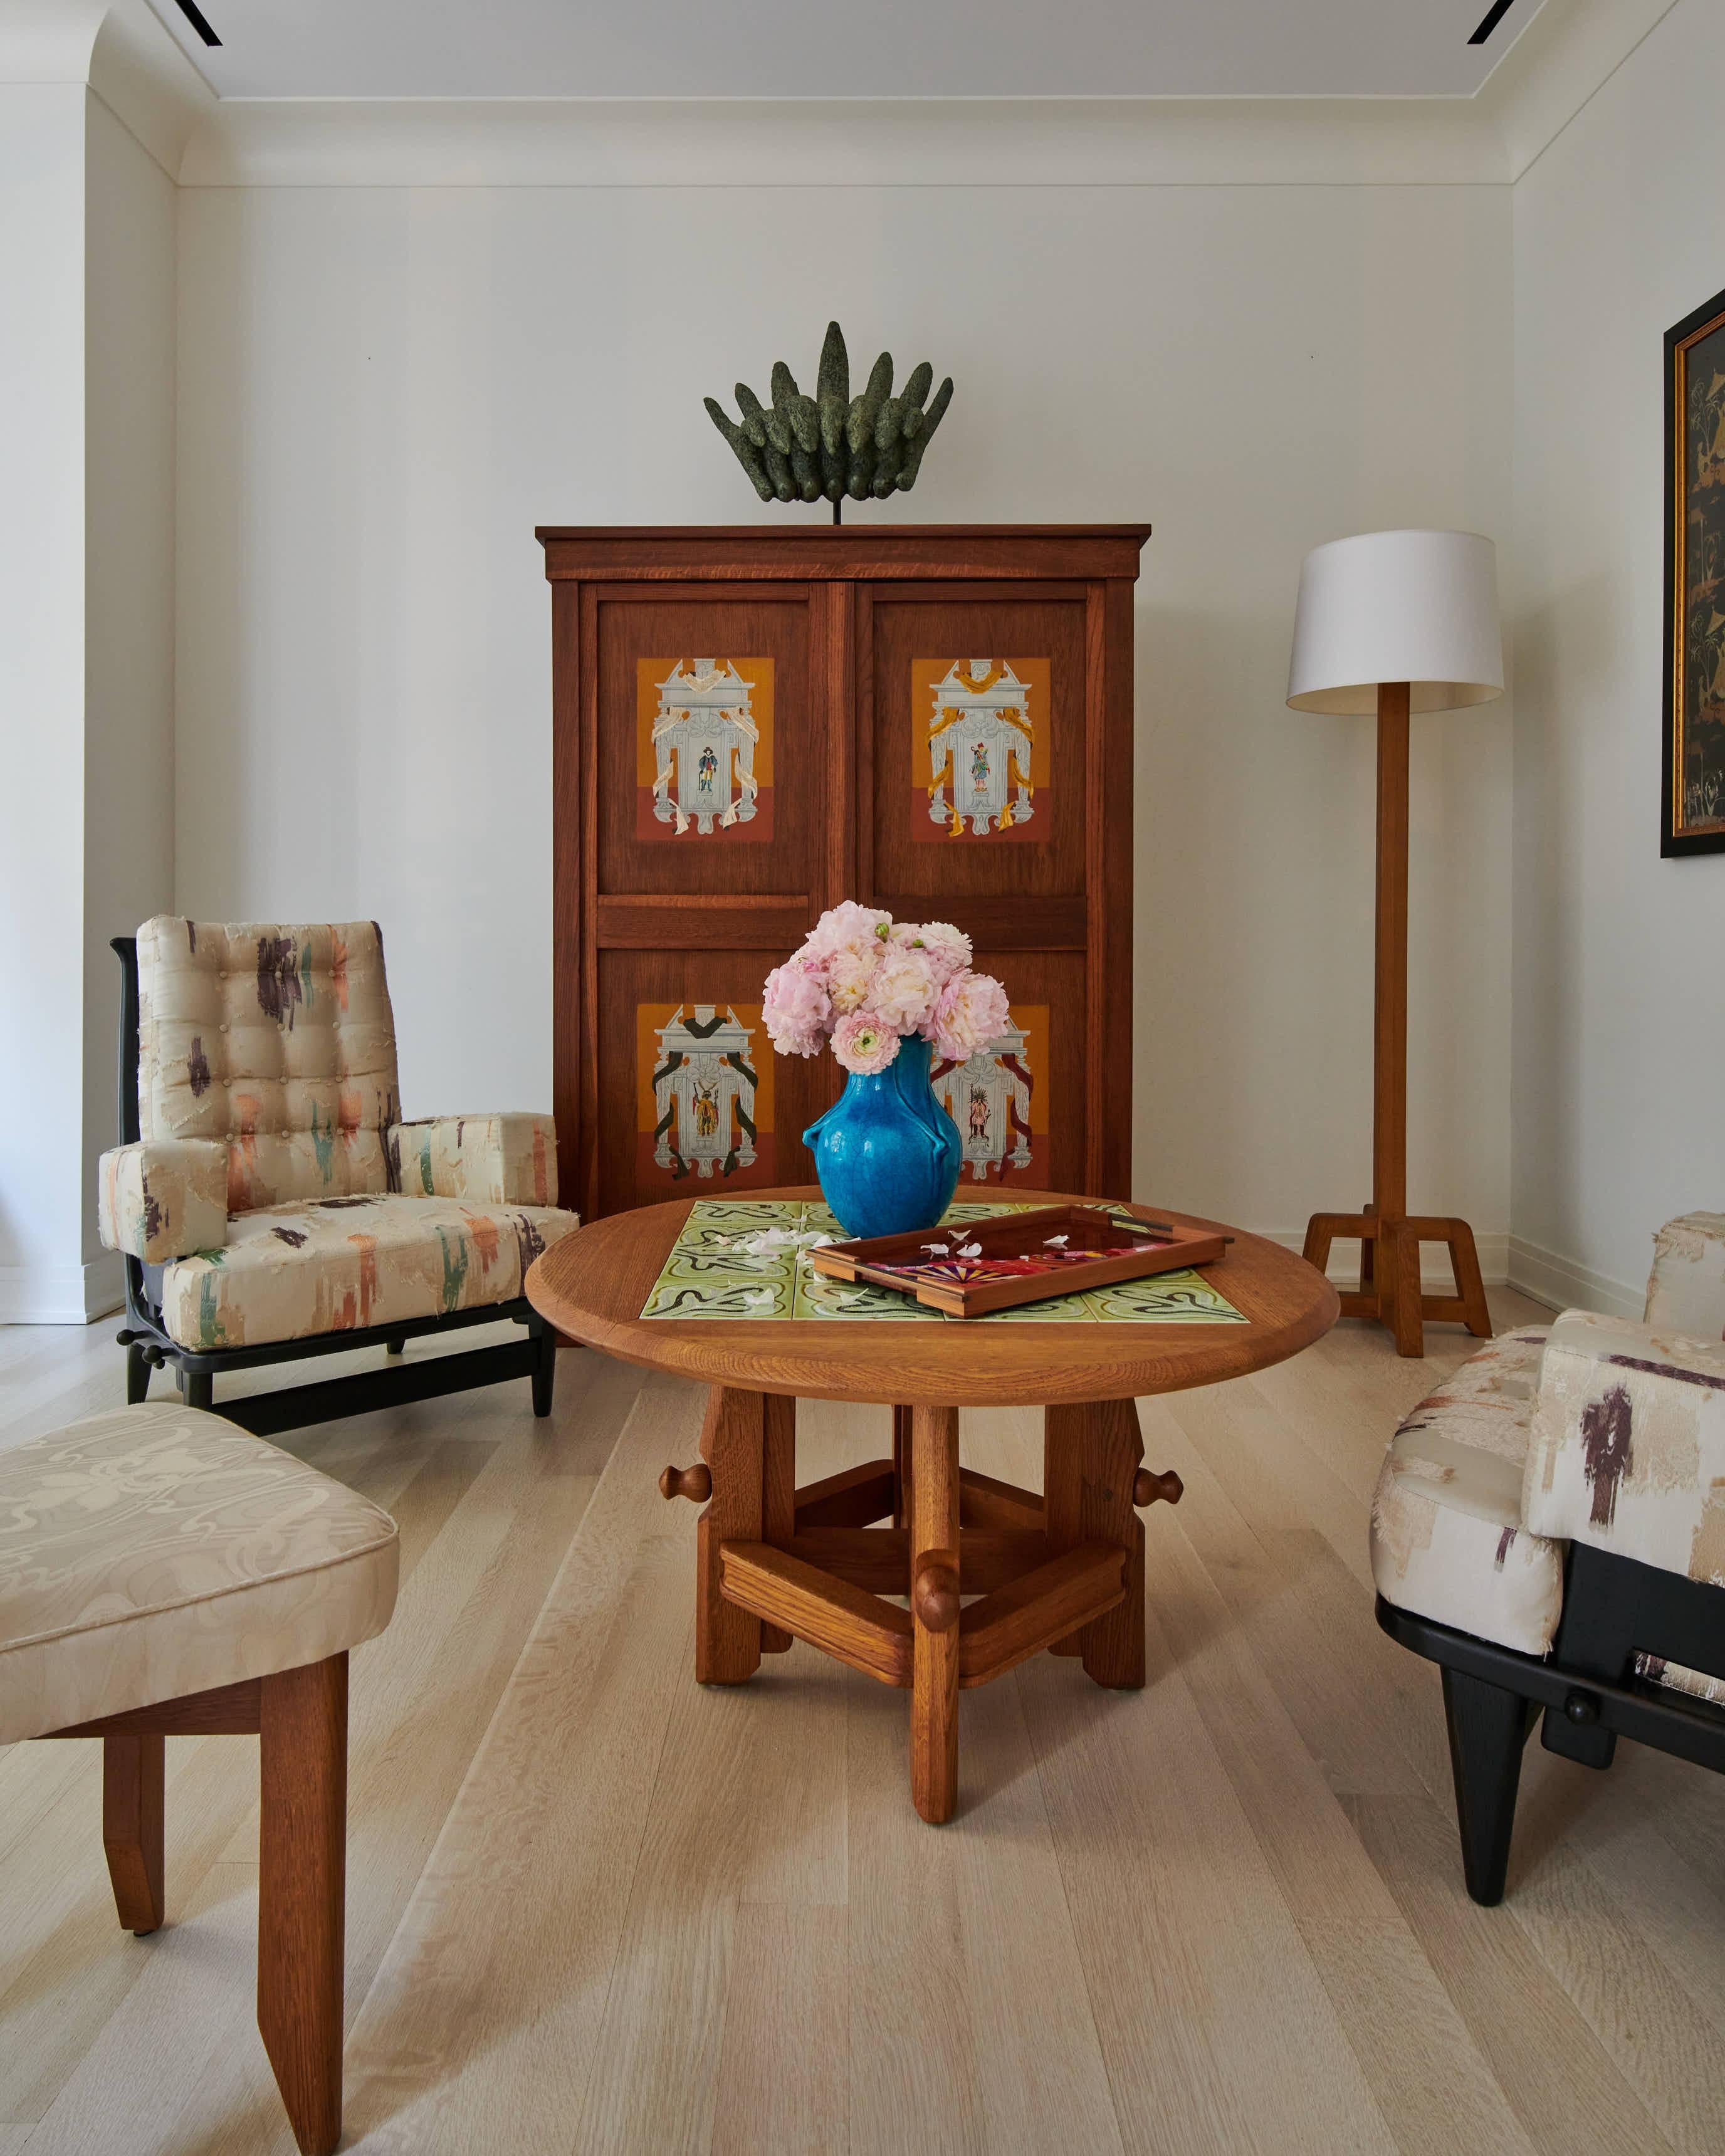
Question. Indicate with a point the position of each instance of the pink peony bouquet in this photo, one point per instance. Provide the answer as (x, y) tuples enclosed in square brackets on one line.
[(864, 982)]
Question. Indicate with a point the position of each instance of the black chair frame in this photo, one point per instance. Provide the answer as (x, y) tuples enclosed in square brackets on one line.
[(1587, 1690), (149, 1346)]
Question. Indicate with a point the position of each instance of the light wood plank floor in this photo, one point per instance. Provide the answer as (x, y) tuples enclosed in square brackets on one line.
[(593, 1907)]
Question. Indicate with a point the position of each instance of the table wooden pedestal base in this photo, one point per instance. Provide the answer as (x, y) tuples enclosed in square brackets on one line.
[(1063, 1570)]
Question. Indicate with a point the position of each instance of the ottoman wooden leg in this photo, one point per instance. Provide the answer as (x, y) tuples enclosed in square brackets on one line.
[(1091, 1462), (727, 1639), (132, 1826), (934, 1612), (302, 1861)]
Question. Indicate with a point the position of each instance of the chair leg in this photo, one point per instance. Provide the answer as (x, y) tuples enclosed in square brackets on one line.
[(137, 1376), (544, 1367), (1488, 1727), (396, 1347), (302, 1859), (200, 1388), (132, 1826)]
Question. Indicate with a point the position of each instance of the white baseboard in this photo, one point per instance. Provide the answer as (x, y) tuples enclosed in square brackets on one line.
[(1566, 1284), (62, 1294), (1435, 1277)]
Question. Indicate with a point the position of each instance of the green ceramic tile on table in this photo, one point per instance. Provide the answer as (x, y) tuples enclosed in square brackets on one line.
[(705, 1277)]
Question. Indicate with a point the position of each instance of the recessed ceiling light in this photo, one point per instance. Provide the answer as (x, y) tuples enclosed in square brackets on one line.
[(1494, 16), (194, 15)]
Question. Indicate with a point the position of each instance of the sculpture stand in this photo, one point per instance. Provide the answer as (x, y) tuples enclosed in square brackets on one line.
[(1389, 1238)]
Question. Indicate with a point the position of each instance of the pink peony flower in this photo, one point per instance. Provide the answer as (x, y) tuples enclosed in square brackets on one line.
[(904, 989), (796, 1009), (970, 1011), (864, 1042), (847, 926), (947, 947), (850, 976)]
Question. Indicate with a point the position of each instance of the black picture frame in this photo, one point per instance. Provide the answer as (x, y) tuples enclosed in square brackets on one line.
[(1692, 815)]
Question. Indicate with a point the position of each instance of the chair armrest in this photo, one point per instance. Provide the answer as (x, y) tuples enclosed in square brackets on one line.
[(1627, 1447), (493, 1160), (164, 1199)]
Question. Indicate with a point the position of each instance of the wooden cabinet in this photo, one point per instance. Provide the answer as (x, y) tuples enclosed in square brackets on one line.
[(750, 724)]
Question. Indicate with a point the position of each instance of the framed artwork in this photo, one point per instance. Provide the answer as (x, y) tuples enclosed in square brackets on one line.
[(979, 730), (703, 1097), (704, 748), (1692, 812)]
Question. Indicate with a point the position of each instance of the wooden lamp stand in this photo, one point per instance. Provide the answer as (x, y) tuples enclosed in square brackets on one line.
[(1389, 1236)]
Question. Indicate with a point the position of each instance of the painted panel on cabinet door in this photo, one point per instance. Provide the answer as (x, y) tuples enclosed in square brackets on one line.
[(703, 749), (704, 1097), (984, 738), (999, 1099)]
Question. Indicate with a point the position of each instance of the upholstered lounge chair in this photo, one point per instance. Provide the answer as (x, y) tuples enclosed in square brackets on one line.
[(1550, 1527), (269, 1200)]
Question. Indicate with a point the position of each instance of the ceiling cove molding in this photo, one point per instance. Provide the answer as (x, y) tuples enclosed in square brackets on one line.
[(529, 142), (118, 49), (1568, 51)]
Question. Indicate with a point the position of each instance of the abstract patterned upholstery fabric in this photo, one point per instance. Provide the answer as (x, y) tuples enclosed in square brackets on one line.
[(155, 1551), (1448, 1541), (1687, 1292), (489, 1160), (164, 1199), (289, 1272), (278, 1041), (1628, 1447)]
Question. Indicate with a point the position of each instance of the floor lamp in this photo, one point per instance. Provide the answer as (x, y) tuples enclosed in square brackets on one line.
[(1394, 621)]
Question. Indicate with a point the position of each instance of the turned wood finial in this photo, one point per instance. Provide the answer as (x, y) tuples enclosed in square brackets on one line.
[(696, 1483), (1147, 1487), (934, 1591)]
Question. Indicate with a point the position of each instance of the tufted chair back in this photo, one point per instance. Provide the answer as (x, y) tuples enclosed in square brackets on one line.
[(1686, 1291), (279, 1041)]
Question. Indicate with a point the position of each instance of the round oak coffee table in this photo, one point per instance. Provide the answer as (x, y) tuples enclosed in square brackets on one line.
[(1061, 1570)]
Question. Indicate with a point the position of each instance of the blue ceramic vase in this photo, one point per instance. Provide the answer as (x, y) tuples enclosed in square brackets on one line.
[(886, 1151)]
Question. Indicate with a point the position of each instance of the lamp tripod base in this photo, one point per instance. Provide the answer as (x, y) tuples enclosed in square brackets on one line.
[(1389, 1288)]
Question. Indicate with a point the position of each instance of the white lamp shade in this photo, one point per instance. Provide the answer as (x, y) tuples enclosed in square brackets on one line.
[(1419, 607)]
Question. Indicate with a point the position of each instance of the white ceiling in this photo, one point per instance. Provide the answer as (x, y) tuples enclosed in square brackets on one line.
[(845, 48)]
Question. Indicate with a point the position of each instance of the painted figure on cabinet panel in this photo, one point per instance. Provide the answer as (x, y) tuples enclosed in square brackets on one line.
[(704, 1100), (703, 748), (985, 724), (995, 1099)]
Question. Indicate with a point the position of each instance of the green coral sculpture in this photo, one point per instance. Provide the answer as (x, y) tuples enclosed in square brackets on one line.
[(799, 449)]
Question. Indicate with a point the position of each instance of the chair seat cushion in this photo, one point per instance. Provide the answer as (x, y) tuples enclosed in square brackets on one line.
[(335, 1264), (1447, 1538), (155, 1551)]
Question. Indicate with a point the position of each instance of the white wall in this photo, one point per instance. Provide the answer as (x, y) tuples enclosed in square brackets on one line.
[(129, 624), (41, 695), (381, 390), (86, 613), (1619, 1020)]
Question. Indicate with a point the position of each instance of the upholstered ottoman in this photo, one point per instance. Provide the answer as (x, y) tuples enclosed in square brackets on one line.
[(1550, 1528), (163, 1571)]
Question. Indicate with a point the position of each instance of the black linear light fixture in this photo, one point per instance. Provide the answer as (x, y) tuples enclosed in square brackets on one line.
[(1494, 16), (194, 15)]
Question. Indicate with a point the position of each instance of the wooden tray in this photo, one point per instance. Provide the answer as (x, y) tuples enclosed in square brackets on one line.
[(1112, 1247)]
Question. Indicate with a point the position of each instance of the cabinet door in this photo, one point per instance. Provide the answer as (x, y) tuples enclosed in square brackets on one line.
[(972, 705), (706, 807)]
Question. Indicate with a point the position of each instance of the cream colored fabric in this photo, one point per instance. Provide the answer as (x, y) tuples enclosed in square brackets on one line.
[(155, 1551), (489, 1160), (1685, 1292), (1628, 1447), (290, 1272), (278, 1041), (1447, 1538), (164, 1198)]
